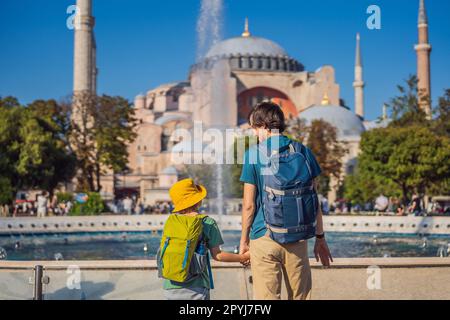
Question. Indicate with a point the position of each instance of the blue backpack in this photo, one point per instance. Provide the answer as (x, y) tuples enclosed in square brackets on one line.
[(290, 201)]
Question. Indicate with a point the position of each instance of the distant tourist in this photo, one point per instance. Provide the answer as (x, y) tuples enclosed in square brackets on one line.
[(348, 205), (69, 206), (416, 205), (42, 204), (276, 235), (396, 207), (381, 203), (368, 206), (54, 205), (4, 210), (139, 208), (324, 204), (188, 237), (128, 205)]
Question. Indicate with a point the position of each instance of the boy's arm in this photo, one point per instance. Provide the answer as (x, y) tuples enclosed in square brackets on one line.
[(248, 212), (219, 255)]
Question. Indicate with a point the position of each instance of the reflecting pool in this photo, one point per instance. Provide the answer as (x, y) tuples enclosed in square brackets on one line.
[(143, 245)]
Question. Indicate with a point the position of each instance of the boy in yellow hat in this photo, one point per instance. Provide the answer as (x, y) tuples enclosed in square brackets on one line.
[(183, 258)]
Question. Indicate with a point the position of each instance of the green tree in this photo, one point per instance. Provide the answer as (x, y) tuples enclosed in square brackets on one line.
[(405, 108), (441, 124), (45, 159), (6, 191), (413, 158), (10, 143), (101, 130), (240, 146), (362, 187), (33, 145), (321, 137)]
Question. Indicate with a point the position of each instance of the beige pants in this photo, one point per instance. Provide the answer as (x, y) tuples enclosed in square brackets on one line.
[(271, 261)]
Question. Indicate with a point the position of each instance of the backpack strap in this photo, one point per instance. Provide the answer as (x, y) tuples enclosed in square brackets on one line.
[(166, 243), (300, 148), (208, 263), (186, 254), (208, 257)]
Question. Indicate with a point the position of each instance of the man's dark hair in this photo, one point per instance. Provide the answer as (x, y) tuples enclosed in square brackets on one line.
[(267, 115)]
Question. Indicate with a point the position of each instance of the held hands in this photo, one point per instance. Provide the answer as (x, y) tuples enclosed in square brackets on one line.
[(322, 252), (245, 258), (244, 253)]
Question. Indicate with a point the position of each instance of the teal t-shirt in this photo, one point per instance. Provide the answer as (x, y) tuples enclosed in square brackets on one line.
[(251, 173), (213, 238)]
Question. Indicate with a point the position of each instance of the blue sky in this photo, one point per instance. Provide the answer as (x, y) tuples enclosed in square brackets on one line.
[(144, 43)]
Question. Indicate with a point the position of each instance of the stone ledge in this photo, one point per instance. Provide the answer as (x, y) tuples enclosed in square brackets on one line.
[(339, 263)]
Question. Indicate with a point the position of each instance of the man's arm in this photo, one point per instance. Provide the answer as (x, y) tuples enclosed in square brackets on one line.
[(321, 250), (248, 213), (319, 221)]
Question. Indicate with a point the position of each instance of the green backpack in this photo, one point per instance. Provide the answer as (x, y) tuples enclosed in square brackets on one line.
[(179, 258)]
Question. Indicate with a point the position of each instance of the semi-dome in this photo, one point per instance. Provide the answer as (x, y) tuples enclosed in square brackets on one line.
[(252, 46), (346, 122)]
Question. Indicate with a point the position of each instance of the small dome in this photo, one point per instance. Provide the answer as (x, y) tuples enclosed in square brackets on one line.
[(347, 123), (252, 46)]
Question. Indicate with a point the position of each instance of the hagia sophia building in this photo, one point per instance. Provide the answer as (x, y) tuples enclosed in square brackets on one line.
[(251, 69)]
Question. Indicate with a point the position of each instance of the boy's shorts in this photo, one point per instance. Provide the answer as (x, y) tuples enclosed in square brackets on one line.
[(187, 294)]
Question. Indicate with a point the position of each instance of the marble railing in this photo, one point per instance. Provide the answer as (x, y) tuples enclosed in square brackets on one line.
[(111, 223)]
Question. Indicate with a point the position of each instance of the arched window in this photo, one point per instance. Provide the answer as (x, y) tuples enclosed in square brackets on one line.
[(249, 98)]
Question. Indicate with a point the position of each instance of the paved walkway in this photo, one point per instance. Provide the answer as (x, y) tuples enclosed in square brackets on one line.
[(386, 278)]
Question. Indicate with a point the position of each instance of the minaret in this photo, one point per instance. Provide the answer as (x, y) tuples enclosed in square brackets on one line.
[(358, 84), (246, 32), (84, 72), (94, 65), (384, 117), (423, 49)]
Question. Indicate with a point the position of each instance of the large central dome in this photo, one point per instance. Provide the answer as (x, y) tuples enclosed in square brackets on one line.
[(249, 53), (252, 46)]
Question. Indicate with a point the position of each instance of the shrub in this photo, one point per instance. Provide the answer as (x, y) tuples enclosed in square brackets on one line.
[(93, 206), (64, 196)]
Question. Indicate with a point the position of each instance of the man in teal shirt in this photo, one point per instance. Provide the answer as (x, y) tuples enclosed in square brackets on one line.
[(271, 260), (252, 173)]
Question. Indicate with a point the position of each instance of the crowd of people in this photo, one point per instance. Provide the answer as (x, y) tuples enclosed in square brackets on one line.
[(382, 204), (46, 205), (134, 206), (42, 206)]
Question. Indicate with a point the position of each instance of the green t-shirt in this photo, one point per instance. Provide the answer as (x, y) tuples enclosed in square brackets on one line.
[(213, 238)]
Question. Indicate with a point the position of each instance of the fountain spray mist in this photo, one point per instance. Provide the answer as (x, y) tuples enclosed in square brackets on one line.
[(209, 32), (209, 26)]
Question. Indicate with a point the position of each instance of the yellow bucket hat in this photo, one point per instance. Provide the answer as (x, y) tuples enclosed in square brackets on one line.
[(185, 194)]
